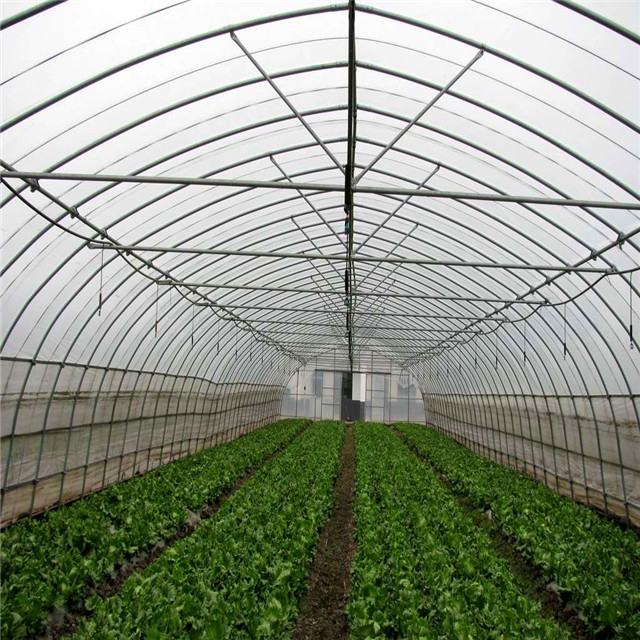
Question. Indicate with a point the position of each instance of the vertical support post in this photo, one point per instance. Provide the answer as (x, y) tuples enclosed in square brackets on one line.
[(348, 180)]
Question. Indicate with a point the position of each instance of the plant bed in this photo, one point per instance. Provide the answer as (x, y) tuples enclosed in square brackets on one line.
[(590, 562), (241, 573), (51, 564), (531, 579), (422, 568)]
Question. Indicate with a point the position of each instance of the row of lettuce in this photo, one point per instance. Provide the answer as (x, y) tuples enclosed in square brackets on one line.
[(242, 572), (52, 563), (594, 562), (422, 568)]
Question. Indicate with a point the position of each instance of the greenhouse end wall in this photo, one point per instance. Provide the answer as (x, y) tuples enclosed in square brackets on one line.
[(587, 448), (390, 396), (68, 430)]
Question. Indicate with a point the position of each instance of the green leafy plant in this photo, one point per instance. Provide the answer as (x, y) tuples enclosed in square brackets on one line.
[(594, 562), (52, 562), (242, 572), (422, 568)]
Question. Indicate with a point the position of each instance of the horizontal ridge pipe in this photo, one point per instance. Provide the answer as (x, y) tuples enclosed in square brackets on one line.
[(310, 186), (336, 292), (306, 310), (338, 257)]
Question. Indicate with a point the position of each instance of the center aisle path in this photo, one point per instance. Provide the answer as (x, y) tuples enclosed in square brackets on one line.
[(322, 613)]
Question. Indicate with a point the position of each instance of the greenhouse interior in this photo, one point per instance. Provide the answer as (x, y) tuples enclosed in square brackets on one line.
[(320, 320)]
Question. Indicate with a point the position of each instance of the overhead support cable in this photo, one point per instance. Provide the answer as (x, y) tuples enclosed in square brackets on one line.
[(286, 100), (111, 242), (622, 237), (311, 186), (313, 264), (393, 213), (388, 275), (311, 205), (424, 110), (314, 244)]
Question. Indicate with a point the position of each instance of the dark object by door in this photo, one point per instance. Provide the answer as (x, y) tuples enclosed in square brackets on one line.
[(351, 410)]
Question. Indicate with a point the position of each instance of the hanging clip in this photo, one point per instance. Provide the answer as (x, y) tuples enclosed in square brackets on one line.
[(631, 346), (101, 272), (564, 334)]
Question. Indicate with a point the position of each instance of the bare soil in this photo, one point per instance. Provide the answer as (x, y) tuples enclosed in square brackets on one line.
[(322, 611)]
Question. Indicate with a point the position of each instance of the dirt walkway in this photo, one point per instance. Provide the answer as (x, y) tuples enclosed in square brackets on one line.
[(322, 612)]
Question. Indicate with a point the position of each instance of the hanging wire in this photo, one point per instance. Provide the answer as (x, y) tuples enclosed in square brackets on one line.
[(564, 334), (524, 346), (193, 318), (496, 348), (475, 352), (217, 335), (157, 296), (100, 294), (631, 311)]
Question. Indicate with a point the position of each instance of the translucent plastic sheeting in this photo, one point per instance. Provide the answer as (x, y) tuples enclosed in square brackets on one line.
[(522, 287)]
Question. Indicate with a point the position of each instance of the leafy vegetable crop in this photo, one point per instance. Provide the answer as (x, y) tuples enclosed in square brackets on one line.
[(422, 568), (52, 562), (241, 573), (592, 560)]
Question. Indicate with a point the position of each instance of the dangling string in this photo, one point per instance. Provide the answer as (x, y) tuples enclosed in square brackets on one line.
[(524, 348), (193, 318), (496, 346), (157, 294), (475, 353), (631, 311), (564, 334), (101, 270), (236, 332), (217, 334)]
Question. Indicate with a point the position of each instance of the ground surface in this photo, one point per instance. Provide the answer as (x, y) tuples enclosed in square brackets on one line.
[(322, 612)]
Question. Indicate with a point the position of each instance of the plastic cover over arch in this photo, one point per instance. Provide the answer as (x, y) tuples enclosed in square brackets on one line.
[(492, 158)]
